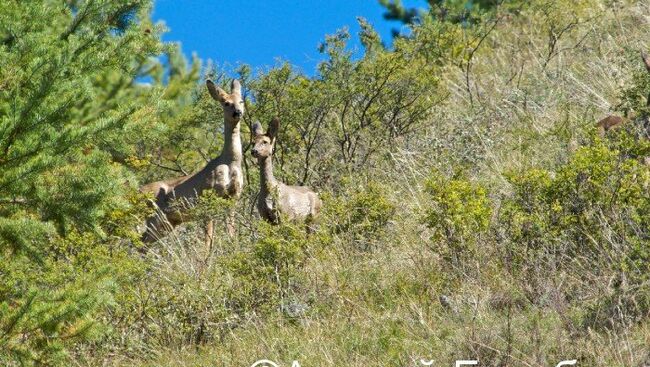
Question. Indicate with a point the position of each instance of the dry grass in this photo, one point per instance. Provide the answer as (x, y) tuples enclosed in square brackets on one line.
[(393, 301)]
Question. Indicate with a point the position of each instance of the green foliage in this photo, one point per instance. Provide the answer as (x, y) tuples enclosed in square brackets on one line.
[(634, 97), (40, 326), (362, 214), (546, 260), (464, 12), (459, 211), (79, 194), (596, 209), (170, 134), (68, 90), (187, 294), (595, 183), (383, 97), (270, 272), (345, 117), (208, 206), (51, 303)]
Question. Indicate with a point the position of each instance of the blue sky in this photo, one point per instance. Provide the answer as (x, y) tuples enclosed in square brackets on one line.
[(258, 32)]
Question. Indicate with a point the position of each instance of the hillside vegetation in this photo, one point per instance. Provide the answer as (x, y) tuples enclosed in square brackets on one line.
[(471, 209)]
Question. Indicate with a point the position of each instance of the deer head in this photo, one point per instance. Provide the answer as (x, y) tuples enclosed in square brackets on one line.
[(233, 103), (263, 143)]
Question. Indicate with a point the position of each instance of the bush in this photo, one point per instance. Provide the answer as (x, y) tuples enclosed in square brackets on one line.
[(459, 211), (269, 271), (362, 216), (591, 219)]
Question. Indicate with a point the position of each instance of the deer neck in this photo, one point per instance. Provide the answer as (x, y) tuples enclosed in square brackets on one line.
[(232, 148), (267, 180), (231, 155)]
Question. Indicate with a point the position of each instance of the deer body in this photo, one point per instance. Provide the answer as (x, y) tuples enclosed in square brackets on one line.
[(222, 174), (612, 122), (295, 202), (609, 123)]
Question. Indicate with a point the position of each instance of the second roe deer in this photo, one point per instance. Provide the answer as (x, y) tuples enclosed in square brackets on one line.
[(612, 122), (275, 198)]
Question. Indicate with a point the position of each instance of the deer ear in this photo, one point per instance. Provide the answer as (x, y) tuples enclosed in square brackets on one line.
[(273, 128), (217, 93), (257, 129), (235, 87)]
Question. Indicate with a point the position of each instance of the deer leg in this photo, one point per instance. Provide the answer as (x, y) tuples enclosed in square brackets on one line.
[(209, 236), (311, 226), (315, 206), (230, 222), (156, 227)]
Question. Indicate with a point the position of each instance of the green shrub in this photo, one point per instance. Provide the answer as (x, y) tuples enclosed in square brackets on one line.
[(361, 216), (633, 96), (270, 270), (590, 219), (459, 211)]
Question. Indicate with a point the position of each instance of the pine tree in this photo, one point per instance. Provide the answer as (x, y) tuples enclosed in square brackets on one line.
[(456, 11), (69, 73)]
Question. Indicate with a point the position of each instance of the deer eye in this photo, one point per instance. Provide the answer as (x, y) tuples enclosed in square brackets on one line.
[(228, 104)]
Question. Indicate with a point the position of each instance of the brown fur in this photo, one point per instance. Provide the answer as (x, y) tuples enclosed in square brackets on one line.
[(609, 123), (223, 174), (613, 122), (294, 202)]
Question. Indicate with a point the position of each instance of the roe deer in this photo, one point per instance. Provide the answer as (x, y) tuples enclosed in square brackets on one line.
[(222, 174), (295, 202), (612, 122), (609, 123)]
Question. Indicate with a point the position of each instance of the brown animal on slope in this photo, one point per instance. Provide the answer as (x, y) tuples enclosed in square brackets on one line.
[(295, 202), (222, 174), (609, 123), (612, 122)]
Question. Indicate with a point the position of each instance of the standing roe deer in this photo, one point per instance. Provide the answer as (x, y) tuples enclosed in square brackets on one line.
[(295, 202), (222, 174)]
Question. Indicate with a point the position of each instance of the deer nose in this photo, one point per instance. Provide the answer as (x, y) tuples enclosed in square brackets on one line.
[(237, 113), (254, 152)]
